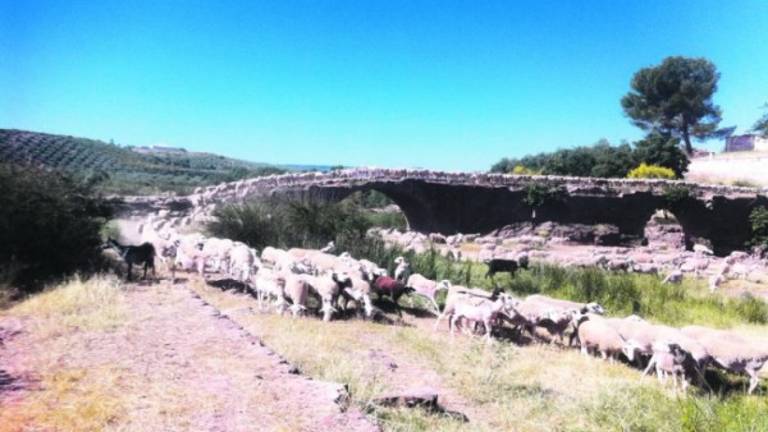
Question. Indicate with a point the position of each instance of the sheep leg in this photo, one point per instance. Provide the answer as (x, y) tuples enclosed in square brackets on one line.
[(452, 324), (651, 364), (754, 380), (434, 303), (487, 324), (130, 270), (584, 350)]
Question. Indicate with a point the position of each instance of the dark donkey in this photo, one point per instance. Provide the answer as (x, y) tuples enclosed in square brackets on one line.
[(141, 254)]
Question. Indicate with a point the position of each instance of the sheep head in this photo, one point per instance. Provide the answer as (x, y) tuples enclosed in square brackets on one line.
[(631, 348)]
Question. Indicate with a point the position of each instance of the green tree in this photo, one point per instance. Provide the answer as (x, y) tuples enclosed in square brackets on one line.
[(675, 99), (657, 149)]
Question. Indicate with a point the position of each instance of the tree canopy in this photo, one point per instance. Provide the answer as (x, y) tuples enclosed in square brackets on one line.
[(601, 159), (674, 99)]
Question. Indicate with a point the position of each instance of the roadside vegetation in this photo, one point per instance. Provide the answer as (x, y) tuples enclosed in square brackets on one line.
[(50, 227), (67, 398)]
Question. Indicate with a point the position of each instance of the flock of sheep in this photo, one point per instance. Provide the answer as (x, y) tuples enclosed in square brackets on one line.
[(286, 280)]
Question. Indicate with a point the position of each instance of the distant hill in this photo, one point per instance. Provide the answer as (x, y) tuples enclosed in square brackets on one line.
[(143, 171)]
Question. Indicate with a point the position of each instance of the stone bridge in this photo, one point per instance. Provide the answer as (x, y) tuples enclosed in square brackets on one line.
[(448, 203)]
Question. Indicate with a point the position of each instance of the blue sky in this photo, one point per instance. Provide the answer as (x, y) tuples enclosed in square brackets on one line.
[(447, 85)]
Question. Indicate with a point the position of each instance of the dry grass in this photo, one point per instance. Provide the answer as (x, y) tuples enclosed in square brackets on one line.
[(67, 398), (504, 386), (93, 304), (507, 387)]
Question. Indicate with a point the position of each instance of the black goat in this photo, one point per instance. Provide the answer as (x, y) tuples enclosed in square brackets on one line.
[(498, 265), (141, 254)]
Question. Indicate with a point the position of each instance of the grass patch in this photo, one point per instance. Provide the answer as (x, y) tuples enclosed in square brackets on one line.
[(84, 304), (620, 293), (505, 387)]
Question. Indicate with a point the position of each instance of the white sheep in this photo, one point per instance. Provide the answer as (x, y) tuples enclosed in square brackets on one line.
[(427, 288), (731, 352), (485, 312), (669, 358), (596, 333), (296, 289), (269, 285), (456, 294), (242, 262), (216, 253)]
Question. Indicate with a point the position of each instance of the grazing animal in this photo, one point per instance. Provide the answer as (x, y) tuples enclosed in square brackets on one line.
[(427, 288), (403, 269), (143, 254), (499, 265), (670, 358), (485, 312), (393, 288)]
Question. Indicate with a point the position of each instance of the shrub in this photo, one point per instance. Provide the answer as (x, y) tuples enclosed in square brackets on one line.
[(288, 224), (651, 171), (759, 220), (523, 170), (50, 225)]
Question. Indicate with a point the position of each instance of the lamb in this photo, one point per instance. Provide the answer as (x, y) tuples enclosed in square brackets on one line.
[(242, 260), (498, 265), (403, 269), (669, 358), (359, 290), (141, 254), (268, 285), (216, 252), (328, 288), (458, 293), (427, 288), (596, 333), (731, 352), (484, 312), (296, 289), (555, 315)]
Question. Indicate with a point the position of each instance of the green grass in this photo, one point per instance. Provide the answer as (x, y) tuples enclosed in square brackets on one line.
[(621, 294)]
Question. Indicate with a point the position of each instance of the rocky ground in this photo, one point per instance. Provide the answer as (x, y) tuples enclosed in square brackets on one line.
[(582, 246)]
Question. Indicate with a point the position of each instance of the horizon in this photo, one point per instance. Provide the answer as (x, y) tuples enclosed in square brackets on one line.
[(442, 86)]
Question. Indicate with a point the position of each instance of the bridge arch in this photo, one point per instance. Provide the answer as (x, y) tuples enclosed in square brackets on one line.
[(449, 203)]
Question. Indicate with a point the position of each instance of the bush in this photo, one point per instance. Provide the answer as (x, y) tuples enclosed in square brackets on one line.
[(50, 225), (601, 159), (289, 224), (759, 220), (645, 171), (523, 170)]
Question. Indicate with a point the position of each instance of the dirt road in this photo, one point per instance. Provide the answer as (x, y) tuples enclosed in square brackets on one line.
[(174, 363)]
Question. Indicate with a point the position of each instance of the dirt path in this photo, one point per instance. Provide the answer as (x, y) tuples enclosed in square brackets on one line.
[(374, 348), (175, 364)]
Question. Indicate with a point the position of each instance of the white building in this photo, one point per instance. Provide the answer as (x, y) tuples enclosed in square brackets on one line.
[(748, 142)]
